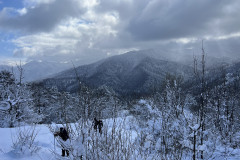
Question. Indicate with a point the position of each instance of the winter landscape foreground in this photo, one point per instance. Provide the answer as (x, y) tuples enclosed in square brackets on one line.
[(122, 138)]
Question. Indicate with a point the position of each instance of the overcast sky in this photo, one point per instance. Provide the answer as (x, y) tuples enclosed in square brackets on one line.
[(88, 30)]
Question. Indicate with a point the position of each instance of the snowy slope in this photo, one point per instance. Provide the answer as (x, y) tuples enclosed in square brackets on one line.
[(48, 148), (44, 140)]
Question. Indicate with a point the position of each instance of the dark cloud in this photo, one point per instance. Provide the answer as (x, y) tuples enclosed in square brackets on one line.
[(43, 17), (126, 8), (154, 23), (161, 20)]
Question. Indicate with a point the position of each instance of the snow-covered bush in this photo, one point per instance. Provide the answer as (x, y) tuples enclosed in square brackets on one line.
[(23, 142), (16, 106), (117, 140)]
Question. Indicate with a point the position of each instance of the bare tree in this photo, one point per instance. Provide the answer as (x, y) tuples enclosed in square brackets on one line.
[(200, 74), (21, 72)]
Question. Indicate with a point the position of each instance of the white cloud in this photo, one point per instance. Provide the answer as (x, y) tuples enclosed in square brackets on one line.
[(186, 40), (223, 37), (24, 52), (11, 61), (88, 3), (22, 11), (80, 36)]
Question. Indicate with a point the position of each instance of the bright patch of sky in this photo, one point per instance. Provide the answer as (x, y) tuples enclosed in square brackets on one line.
[(5, 44), (17, 4)]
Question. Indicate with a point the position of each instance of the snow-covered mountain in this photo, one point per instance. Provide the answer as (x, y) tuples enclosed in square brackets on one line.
[(36, 70), (5, 67), (130, 73)]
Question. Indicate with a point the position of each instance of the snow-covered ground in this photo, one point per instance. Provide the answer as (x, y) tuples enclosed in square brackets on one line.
[(44, 140), (44, 145), (126, 130)]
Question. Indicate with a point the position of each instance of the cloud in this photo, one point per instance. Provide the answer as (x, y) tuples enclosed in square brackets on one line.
[(89, 30), (146, 23), (41, 18), (75, 38), (161, 20), (32, 3)]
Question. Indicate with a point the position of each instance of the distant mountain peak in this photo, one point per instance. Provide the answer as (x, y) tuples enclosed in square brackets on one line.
[(135, 72)]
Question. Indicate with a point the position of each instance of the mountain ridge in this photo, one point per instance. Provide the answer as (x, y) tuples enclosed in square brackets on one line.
[(130, 73)]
